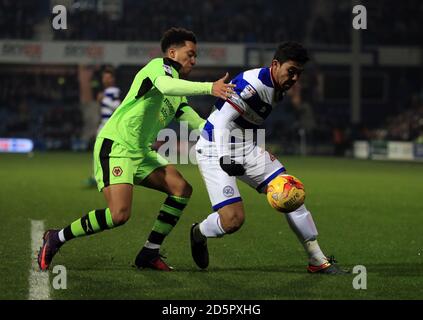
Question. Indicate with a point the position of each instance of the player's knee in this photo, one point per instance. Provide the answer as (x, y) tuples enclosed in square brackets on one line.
[(234, 227), (233, 221), (121, 215), (182, 189), (187, 190)]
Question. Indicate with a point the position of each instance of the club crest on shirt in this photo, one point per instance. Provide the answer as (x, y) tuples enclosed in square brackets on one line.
[(248, 92), (167, 69)]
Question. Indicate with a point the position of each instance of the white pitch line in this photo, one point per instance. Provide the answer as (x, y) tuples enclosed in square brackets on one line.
[(39, 287)]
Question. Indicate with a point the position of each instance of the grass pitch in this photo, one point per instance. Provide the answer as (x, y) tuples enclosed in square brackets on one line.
[(368, 213)]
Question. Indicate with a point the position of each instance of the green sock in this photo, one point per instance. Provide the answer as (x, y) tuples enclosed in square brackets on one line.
[(94, 222), (170, 213)]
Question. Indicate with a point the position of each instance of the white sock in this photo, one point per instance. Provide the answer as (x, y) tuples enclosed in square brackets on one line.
[(211, 226), (315, 254), (151, 245), (301, 222), (62, 236)]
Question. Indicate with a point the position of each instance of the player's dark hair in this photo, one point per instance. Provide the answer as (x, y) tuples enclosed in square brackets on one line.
[(291, 51), (176, 36), (110, 70)]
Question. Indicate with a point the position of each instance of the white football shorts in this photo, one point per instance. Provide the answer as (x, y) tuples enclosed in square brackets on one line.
[(261, 167)]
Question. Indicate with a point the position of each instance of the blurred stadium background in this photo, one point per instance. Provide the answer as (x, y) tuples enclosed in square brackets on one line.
[(360, 97), (367, 87)]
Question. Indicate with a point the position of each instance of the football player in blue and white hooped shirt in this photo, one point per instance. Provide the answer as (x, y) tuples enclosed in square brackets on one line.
[(226, 151), (109, 99)]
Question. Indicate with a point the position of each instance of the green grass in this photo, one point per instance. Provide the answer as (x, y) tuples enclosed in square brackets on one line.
[(368, 213)]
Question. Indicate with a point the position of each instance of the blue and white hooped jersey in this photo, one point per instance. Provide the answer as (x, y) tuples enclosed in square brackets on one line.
[(109, 103), (254, 100)]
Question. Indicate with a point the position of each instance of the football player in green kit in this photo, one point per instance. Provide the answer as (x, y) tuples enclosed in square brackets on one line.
[(123, 156)]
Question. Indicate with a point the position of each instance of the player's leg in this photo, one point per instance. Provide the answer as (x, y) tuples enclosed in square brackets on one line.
[(261, 169), (114, 177), (117, 213), (302, 224), (226, 220), (228, 211), (156, 174), (230, 219)]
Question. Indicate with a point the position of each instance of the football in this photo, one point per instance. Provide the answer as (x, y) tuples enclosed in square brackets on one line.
[(285, 193)]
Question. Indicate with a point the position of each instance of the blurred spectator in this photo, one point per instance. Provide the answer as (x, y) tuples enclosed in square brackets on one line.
[(403, 126), (18, 17), (39, 105), (419, 138), (341, 137), (302, 110)]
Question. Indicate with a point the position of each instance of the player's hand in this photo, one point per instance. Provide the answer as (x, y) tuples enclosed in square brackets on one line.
[(231, 167), (223, 90)]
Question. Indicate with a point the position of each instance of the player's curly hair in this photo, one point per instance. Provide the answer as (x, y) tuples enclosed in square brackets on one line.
[(291, 50), (176, 36)]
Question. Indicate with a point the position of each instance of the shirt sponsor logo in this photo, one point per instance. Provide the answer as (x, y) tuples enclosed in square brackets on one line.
[(166, 112), (239, 102), (248, 92)]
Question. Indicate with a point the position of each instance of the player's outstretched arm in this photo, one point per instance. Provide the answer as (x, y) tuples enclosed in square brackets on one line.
[(178, 87)]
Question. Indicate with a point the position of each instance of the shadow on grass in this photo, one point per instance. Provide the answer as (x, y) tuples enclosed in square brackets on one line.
[(395, 269), (298, 269)]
